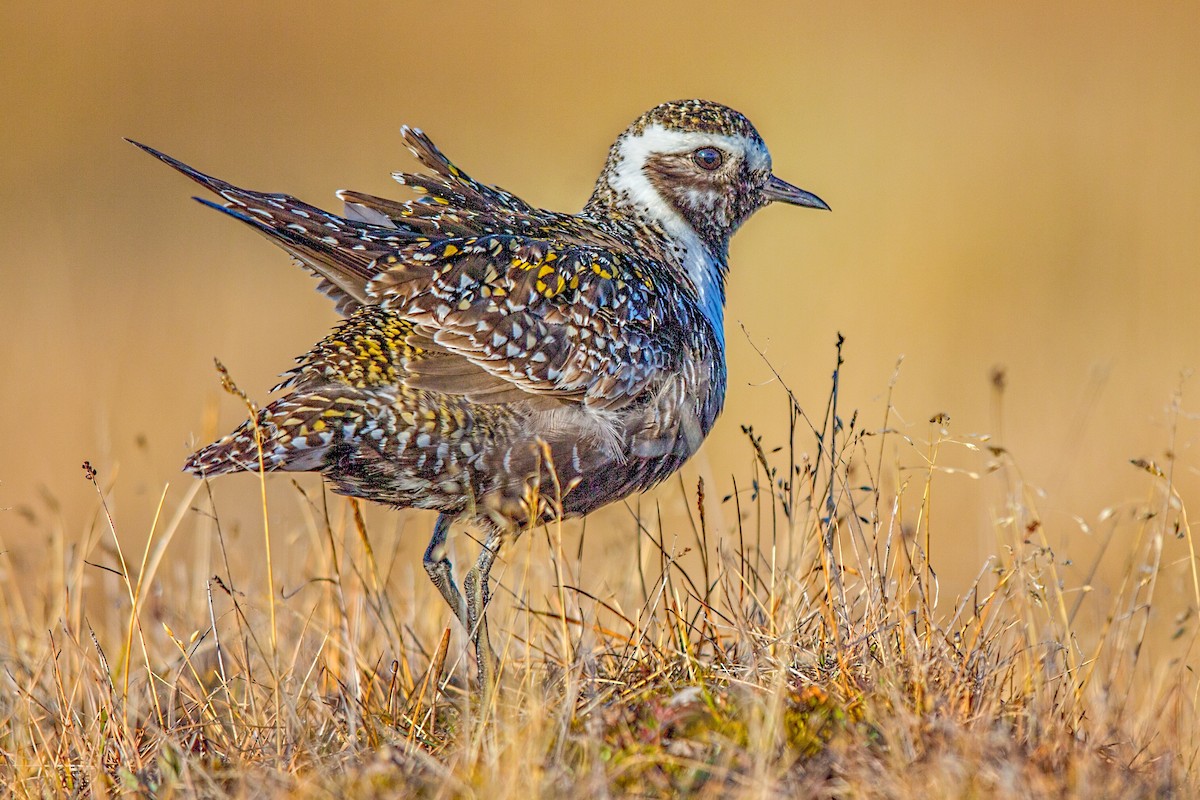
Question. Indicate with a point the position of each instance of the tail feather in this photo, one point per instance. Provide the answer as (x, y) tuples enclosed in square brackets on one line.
[(237, 452), (289, 436)]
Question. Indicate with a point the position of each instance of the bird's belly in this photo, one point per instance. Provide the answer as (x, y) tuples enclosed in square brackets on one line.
[(512, 465), (569, 462)]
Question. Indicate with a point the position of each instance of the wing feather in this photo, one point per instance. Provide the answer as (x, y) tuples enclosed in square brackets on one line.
[(340, 251), (569, 322), (502, 302)]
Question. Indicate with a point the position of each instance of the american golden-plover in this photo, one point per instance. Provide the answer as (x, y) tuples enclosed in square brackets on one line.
[(503, 364)]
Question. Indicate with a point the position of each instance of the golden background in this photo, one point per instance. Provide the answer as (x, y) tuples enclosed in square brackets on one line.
[(1016, 185)]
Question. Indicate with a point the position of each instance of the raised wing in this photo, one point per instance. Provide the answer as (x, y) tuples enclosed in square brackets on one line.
[(506, 302), (342, 252)]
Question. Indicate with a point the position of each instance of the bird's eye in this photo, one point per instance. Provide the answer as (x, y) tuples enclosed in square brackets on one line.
[(708, 158)]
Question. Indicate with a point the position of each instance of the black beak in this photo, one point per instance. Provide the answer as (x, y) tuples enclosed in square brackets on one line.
[(784, 192)]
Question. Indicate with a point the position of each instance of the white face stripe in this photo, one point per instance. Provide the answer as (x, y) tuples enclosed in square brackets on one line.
[(657, 139), (629, 180), (629, 177)]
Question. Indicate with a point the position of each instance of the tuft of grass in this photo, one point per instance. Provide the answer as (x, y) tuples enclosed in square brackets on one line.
[(805, 651)]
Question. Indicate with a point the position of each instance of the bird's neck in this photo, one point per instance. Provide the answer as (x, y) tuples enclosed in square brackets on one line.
[(632, 202), (706, 272)]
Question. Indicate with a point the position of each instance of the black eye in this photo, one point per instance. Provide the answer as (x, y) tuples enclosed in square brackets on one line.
[(708, 158)]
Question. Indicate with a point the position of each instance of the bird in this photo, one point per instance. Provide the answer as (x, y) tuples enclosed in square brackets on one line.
[(502, 364)]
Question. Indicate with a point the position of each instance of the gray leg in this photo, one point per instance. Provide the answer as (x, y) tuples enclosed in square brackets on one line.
[(437, 564), (476, 585)]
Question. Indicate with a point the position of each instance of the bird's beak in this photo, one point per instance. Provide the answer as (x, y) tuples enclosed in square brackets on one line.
[(784, 192)]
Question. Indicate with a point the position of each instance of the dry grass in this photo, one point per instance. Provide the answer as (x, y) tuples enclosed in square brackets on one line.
[(805, 653)]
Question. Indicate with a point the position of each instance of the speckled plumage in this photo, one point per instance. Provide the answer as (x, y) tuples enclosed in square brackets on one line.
[(502, 363)]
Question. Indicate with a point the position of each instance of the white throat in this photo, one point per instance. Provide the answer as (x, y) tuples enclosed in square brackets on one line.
[(629, 182)]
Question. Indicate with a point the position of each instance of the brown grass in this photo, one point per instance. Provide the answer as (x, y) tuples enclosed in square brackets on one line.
[(806, 652)]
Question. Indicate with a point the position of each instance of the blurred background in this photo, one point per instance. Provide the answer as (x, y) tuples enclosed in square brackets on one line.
[(1014, 186)]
